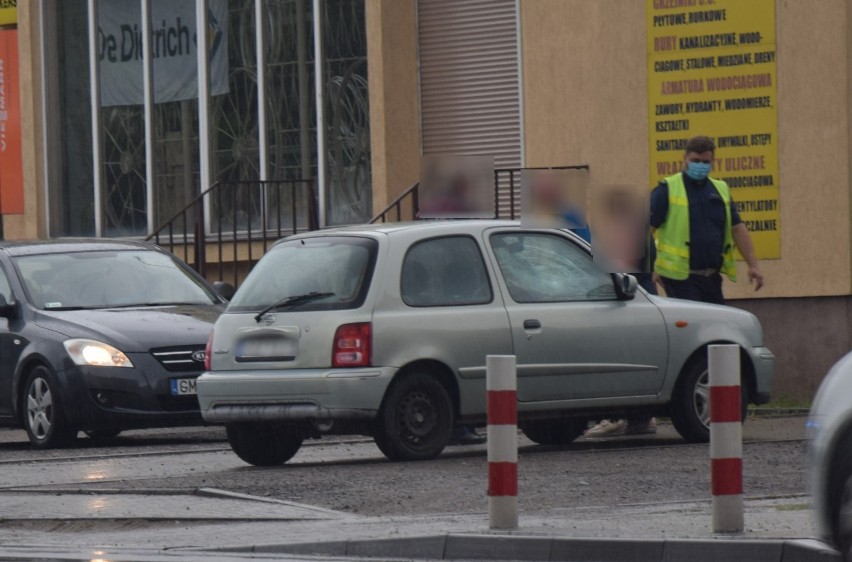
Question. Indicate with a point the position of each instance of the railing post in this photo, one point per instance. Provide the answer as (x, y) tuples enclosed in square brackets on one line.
[(248, 223), (313, 211), (512, 194), (294, 200), (220, 259), (726, 438), (501, 382), (234, 242), (496, 194), (200, 242), (264, 214)]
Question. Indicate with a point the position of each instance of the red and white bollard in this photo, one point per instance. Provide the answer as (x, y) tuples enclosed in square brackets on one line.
[(726, 438), (501, 383)]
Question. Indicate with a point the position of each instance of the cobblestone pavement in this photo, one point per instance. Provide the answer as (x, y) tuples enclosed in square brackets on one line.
[(158, 491)]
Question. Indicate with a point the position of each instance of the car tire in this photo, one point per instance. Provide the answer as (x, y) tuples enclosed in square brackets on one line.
[(839, 498), (690, 406), (41, 408), (262, 444), (415, 420), (553, 432)]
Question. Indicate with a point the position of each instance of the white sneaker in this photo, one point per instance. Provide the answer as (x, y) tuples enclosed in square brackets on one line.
[(607, 428)]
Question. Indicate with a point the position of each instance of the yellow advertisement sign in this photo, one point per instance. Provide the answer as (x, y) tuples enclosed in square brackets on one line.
[(8, 12), (712, 71)]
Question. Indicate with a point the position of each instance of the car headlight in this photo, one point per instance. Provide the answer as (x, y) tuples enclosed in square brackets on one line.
[(95, 353)]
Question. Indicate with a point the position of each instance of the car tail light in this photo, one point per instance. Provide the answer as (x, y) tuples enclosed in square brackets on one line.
[(353, 344), (208, 351)]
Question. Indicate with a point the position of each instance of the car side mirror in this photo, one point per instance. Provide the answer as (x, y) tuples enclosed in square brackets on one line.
[(627, 286), (225, 290), (7, 310)]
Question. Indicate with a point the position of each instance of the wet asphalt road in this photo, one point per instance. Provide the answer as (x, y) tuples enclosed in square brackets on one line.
[(352, 476)]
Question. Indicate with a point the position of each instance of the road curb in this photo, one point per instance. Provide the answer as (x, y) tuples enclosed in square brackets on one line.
[(777, 412), (461, 546)]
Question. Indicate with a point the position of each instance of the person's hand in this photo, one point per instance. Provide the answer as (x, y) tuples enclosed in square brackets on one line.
[(755, 277), (655, 277)]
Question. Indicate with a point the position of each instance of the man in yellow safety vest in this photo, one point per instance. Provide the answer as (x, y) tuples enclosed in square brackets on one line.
[(696, 225)]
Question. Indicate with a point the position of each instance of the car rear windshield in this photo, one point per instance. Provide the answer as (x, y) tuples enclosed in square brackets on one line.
[(108, 279), (332, 272)]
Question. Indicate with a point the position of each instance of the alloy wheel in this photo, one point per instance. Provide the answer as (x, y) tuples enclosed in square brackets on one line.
[(701, 400), (40, 411)]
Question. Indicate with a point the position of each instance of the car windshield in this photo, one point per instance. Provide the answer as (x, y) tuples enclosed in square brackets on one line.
[(109, 279), (337, 267)]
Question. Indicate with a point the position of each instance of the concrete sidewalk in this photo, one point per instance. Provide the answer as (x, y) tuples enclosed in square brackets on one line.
[(235, 525)]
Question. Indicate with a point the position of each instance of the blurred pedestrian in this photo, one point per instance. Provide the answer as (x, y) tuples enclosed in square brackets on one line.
[(641, 424)]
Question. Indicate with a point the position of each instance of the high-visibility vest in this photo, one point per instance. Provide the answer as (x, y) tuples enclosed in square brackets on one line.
[(673, 235)]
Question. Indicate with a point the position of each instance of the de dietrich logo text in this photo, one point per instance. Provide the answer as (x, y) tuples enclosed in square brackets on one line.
[(170, 39)]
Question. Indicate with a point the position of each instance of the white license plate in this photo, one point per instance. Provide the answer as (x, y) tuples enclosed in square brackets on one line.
[(183, 387), (266, 349)]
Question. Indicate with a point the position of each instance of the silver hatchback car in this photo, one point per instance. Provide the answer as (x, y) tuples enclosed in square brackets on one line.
[(383, 331), (830, 431)]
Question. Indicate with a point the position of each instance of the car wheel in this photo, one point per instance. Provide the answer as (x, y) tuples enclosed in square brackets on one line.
[(102, 434), (691, 402), (553, 432), (839, 498), (44, 420), (262, 444), (415, 420)]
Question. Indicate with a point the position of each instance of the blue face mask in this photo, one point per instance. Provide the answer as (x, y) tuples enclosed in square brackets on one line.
[(698, 170)]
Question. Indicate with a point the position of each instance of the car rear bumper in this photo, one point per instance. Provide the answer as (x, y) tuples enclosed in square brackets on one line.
[(763, 361), (295, 395)]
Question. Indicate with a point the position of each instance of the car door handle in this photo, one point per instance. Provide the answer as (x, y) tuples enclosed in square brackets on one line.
[(532, 325)]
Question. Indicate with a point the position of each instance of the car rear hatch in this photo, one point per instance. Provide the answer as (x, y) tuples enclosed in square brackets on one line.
[(302, 307)]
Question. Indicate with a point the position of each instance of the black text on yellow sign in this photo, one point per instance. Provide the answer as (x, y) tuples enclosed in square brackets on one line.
[(712, 71)]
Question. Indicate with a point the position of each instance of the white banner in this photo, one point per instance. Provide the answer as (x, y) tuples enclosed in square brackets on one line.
[(173, 50)]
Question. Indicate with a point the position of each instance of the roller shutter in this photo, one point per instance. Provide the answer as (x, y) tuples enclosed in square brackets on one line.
[(469, 83)]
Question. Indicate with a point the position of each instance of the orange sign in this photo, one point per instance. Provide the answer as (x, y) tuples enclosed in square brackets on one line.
[(11, 172)]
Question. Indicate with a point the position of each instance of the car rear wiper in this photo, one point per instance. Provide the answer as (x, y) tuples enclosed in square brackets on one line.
[(292, 301)]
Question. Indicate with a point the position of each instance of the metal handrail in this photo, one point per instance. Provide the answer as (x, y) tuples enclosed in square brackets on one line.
[(396, 204), (177, 232), (180, 213)]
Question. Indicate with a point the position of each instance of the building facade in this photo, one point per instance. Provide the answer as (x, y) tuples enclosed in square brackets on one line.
[(614, 84)]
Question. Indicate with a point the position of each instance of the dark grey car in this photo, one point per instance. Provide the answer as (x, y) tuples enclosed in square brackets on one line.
[(99, 336)]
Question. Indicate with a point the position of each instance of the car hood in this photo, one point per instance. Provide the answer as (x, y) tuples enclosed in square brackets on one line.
[(719, 322), (136, 329)]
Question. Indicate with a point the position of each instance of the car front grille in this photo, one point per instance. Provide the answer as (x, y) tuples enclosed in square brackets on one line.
[(180, 359)]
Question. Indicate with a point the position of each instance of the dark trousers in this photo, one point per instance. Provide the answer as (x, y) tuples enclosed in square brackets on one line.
[(696, 288), (646, 281)]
